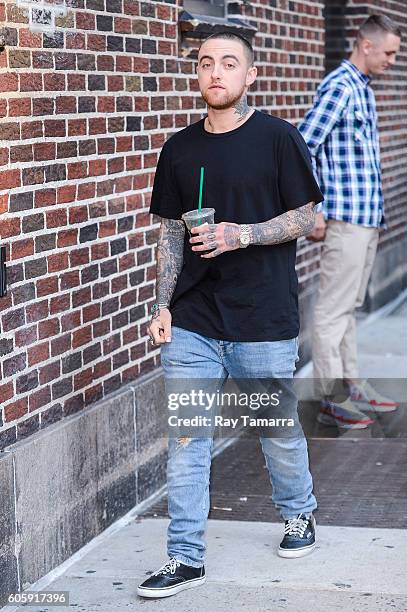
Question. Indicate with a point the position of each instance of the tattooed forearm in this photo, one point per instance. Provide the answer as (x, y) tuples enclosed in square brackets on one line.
[(241, 108), (285, 227), (170, 251)]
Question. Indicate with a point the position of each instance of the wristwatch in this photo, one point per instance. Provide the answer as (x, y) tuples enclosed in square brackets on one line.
[(244, 237)]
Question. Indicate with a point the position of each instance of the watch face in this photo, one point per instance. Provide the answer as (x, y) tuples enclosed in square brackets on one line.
[(245, 239)]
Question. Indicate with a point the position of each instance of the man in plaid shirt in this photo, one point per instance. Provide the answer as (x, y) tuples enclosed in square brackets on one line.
[(341, 133)]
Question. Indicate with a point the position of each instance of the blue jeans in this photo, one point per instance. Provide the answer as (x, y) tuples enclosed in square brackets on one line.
[(190, 355)]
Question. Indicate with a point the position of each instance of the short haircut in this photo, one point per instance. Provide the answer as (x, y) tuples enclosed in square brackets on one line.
[(232, 36), (377, 24)]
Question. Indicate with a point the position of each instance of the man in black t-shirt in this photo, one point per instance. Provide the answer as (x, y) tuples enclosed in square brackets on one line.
[(227, 297)]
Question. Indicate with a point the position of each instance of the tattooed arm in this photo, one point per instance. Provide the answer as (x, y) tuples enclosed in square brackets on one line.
[(288, 226), (170, 251), (223, 237)]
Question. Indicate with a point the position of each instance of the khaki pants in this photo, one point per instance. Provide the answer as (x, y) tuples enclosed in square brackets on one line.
[(346, 263)]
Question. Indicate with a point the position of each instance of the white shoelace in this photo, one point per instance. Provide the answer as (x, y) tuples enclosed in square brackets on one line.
[(170, 567), (296, 526)]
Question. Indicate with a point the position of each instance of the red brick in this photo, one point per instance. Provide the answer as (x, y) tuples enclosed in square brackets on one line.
[(85, 21), (86, 191), (66, 194), (90, 313), (157, 29), (31, 82), (3, 203), (19, 107), (81, 337), (67, 238), (36, 312), (9, 227), (124, 64), (122, 25), (79, 257), (45, 197), (39, 398), (29, 39), (56, 218), (57, 262), (47, 285), (49, 372), (124, 143), (115, 83), (105, 63), (66, 104), (48, 328), (26, 336), (16, 410), (102, 368), (94, 394), (124, 183), (142, 105), (78, 214), (76, 82), (54, 127), (38, 353), (97, 125), (130, 374), (21, 153), (75, 40), (77, 127), (60, 345), (107, 228), (99, 251), (9, 179), (140, 64), (70, 321), (106, 105), (133, 162), (77, 170), (62, 303), (22, 248), (32, 129), (8, 82), (5, 156), (83, 379), (96, 42), (6, 392), (44, 151), (97, 167), (163, 12), (130, 7), (54, 82), (69, 280)]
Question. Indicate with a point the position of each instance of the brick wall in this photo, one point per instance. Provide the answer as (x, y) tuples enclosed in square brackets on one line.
[(84, 111)]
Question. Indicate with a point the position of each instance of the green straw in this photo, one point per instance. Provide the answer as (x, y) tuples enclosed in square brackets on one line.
[(200, 195)]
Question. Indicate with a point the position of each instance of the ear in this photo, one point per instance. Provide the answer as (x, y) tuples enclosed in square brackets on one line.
[(251, 75), (367, 46)]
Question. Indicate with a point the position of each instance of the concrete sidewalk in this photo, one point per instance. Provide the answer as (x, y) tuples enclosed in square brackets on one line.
[(353, 568)]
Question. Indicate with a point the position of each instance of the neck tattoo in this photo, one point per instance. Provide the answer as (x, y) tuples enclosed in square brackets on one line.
[(241, 108)]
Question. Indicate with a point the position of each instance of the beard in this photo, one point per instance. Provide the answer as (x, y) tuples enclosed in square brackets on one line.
[(224, 102)]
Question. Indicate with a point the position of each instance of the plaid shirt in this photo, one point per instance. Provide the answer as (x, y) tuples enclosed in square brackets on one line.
[(341, 133)]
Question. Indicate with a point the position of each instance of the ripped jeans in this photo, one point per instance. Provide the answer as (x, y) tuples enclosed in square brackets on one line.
[(190, 355)]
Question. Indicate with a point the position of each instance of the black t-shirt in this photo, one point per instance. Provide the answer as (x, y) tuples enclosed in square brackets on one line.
[(252, 174)]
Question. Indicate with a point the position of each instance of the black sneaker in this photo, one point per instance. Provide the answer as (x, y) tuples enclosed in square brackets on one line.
[(299, 537), (172, 578)]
